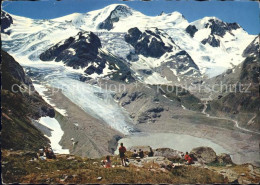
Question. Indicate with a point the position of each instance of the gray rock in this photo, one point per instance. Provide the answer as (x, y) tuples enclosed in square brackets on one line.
[(224, 159), (206, 154), (168, 153)]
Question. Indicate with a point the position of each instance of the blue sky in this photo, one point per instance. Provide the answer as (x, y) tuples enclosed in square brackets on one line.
[(245, 13)]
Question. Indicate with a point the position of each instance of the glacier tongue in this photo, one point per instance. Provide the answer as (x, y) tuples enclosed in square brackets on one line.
[(95, 101), (92, 99)]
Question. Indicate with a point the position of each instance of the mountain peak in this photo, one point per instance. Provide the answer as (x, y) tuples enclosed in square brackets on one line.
[(114, 6), (113, 13), (117, 10), (217, 26)]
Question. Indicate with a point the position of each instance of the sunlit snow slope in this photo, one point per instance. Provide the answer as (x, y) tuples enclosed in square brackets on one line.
[(214, 45)]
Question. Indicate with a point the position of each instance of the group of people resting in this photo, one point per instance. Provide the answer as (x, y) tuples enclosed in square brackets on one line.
[(140, 154), (122, 150), (47, 152)]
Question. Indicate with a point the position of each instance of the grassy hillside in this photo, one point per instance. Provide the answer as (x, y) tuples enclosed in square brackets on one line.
[(73, 169), (19, 107)]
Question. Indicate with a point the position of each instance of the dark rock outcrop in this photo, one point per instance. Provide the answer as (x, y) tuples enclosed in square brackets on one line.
[(211, 40), (146, 71), (76, 51), (150, 115), (148, 43), (220, 28), (233, 26), (133, 36), (191, 29), (252, 48), (182, 61), (13, 68), (131, 97), (132, 57), (6, 21)]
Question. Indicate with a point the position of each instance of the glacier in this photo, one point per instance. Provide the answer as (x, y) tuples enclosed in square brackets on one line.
[(94, 100)]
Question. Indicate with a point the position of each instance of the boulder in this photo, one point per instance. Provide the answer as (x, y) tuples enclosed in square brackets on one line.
[(168, 153), (205, 154), (224, 159)]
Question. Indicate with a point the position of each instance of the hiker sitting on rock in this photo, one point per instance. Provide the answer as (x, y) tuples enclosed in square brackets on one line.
[(188, 159), (122, 151), (135, 154), (41, 155), (107, 162), (52, 155), (150, 154), (141, 153), (49, 153)]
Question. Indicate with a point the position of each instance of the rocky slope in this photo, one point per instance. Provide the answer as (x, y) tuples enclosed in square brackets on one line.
[(156, 102), (242, 99), (20, 104)]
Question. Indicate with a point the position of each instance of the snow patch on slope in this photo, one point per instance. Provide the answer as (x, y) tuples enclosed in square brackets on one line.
[(56, 134)]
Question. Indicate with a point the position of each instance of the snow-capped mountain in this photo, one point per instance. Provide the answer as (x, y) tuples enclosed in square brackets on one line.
[(158, 52), (168, 48), (83, 52)]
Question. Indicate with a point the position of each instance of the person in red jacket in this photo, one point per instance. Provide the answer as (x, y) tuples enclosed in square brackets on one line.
[(122, 151), (188, 159)]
